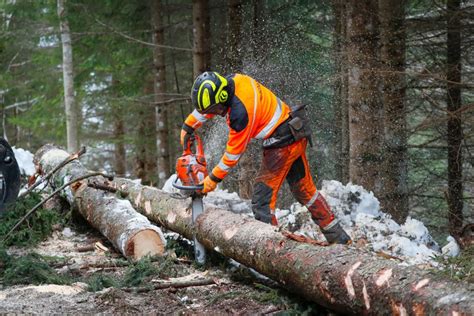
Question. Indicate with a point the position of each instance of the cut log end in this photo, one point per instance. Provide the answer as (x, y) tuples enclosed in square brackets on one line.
[(146, 242)]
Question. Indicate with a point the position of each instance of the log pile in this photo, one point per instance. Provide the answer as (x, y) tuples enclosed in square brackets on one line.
[(342, 278)]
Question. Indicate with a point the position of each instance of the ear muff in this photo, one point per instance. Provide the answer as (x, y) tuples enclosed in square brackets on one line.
[(221, 94)]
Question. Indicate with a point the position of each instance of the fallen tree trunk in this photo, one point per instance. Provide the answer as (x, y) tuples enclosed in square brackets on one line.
[(130, 232), (341, 278)]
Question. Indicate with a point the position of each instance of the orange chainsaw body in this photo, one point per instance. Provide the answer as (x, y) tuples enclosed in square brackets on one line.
[(191, 168)]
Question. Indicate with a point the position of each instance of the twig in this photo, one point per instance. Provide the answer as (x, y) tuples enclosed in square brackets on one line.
[(37, 206), (71, 157), (140, 41), (86, 248), (175, 285), (108, 188)]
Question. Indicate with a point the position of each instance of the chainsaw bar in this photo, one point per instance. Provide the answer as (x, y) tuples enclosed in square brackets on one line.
[(199, 250)]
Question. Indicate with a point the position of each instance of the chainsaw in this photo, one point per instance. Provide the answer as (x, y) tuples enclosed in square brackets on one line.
[(191, 171)]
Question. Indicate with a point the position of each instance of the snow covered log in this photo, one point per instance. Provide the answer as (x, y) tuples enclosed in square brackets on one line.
[(341, 278), (129, 231)]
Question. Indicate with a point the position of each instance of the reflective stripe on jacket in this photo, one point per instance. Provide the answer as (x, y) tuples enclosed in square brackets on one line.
[(254, 112)]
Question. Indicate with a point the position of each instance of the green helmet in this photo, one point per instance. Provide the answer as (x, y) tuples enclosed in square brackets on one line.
[(209, 89)]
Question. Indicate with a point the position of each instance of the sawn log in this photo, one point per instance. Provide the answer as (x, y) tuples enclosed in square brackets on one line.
[(342, 278), (129, 231)]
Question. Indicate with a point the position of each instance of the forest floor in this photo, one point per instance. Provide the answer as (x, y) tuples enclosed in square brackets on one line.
[(99, 280)]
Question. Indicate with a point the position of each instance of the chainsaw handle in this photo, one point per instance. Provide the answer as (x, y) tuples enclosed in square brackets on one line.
[(188, 144), (187, 188)]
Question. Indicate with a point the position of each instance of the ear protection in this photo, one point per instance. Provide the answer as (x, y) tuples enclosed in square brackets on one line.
[(221, 94)]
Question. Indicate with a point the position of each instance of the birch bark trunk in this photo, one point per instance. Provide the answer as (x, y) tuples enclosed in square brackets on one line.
[(341, 278), (130, 232), (71, 108)]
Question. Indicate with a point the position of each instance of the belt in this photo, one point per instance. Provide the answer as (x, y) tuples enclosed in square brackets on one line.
[(281, 137)]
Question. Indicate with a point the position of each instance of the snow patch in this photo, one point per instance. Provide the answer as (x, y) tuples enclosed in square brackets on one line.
[(25, 161)]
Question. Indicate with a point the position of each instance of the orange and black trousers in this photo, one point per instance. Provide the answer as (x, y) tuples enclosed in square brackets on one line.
[(290, 163)]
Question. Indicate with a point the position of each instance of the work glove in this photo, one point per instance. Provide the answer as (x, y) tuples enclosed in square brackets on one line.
[(209, 185), (336, 235)]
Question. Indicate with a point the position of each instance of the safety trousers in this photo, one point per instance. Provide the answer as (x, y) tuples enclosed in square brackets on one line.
[(288, 163)]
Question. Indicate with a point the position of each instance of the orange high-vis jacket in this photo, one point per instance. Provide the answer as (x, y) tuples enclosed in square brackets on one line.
[(255, 112)]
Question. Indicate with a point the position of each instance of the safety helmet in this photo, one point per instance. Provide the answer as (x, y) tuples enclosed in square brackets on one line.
[(209, 89)]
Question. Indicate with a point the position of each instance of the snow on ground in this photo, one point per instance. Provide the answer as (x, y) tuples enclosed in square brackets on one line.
[(25, 161), (359, 213)]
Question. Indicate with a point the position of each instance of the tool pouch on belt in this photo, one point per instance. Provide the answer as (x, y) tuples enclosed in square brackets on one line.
[(299, 124), (293, 129)]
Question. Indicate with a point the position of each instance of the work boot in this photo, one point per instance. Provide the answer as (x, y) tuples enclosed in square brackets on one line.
[(336, 235)]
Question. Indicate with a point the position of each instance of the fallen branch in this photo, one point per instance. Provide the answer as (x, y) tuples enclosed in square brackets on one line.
[(108, 188), (37, 206), (175, 285)]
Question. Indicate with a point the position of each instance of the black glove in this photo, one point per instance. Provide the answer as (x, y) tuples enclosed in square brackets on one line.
[(336, 235)]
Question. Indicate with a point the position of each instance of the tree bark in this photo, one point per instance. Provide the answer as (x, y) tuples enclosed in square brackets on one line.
[(72, 110), (163, 165), (394, 192), (365, 108), (341, 128), (145, 140), (201, 37), (120, 157), (341, 278), (455, 133), (130, 232)]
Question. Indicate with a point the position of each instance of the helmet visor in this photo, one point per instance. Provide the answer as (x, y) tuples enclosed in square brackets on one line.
[(216, 108)]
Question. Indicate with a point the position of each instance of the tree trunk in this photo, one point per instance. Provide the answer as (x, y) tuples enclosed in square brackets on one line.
[(160, 90), (72, 110), (201, 37), (341, 130), (365, 108), (130, 232), (145, 140), (120, 158), (394, 192), (455, 133), (341, 278)]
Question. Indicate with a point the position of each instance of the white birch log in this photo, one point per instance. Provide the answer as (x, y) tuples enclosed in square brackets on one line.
[(130, 232)]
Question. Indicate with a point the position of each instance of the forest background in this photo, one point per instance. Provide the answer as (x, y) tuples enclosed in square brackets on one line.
[(388, 86)]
